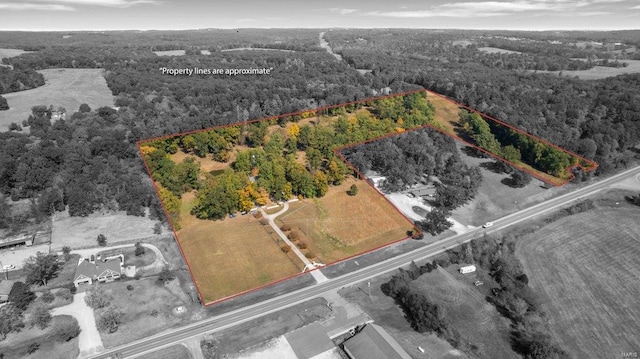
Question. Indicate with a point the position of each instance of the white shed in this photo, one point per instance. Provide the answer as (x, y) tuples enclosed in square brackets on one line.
[(467, 269)]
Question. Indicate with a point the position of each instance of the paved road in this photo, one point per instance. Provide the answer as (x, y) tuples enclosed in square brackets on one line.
[(257, 310)]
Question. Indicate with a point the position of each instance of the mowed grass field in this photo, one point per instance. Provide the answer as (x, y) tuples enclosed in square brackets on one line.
[(337, 225), (495, 199), (600, 72), (467, 311), (587, 269), (231, 256), (68, 88)]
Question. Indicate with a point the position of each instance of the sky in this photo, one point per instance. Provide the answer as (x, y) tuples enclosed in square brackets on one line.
[(61, 15)]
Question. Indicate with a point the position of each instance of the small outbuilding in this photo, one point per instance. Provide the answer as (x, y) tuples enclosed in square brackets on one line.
[(467, 269)]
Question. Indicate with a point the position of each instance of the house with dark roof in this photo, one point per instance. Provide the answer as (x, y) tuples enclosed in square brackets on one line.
[(373, 342), (106, 270)]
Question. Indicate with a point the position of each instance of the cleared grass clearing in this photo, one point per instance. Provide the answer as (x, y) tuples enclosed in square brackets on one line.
[(68, 88), (586, 266), (11, 52), (77, 232), (230, 256), (170, 53), (338, 225), (497, 50), (599, 72), (467, 311), (495, 199), (447, 112), (138, 306)]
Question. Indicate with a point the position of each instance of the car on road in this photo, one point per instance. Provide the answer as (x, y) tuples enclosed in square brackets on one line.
[(487, 225), (8, 267)]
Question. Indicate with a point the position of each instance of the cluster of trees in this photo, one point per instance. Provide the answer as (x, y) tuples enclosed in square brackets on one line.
[(82, 164), (512, 296), (633, 200), (270, 167), (514, 146), (406, 159), (109, 316), (13, 80)]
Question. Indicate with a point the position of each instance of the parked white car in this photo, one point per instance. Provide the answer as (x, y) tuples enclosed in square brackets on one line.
[(8, 267), (487, 225)]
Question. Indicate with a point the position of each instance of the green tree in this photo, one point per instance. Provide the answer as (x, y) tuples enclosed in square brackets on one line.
[(21, 296), (320, 183), (353, 190), (66, 253), (110, 320), (166, 275), (10, 320), (140, 250), (96, 297), (40, 316), (41, 268), (102, 240), (3, 104), (435, 222)]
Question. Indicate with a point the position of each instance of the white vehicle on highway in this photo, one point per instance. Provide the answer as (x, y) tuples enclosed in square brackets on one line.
[(8, 267), (487, 225)]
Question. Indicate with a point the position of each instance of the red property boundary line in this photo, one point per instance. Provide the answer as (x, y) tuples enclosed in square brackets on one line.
[(337, 150)]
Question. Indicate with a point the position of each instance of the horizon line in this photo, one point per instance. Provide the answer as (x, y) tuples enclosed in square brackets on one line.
[(321, 28)]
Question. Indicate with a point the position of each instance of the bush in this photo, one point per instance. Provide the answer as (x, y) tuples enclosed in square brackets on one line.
[(310, 255), (140, 250), (286, 249), (96, 297), (353, 190), (293, 235), (66, 252), (263, 221), (157, 228), (129, 287), (102, 240), (47, 297), (65, 294), (65, 331), (302, 245), (32, 348), (166, 275), (285, 227)]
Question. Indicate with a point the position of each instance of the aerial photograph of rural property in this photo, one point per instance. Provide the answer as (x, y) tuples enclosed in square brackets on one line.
[(319, 180)]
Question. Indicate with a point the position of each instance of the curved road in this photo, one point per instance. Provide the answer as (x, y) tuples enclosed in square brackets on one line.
[(250, 312)]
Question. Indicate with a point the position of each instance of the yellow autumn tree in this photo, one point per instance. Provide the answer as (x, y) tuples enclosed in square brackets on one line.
[(146, 150), (294, 130)]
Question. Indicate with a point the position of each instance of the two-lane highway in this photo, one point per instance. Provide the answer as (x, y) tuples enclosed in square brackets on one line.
[(220, 322)]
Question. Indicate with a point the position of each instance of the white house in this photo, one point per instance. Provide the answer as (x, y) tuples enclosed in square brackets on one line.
[(467, 269)]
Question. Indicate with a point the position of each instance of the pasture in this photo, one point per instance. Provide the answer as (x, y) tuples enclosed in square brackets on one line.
[(337, 225), (170, 53), (497, 50), (68, 88), (11, 52), (599, 72), (233, 255), (586, 269)]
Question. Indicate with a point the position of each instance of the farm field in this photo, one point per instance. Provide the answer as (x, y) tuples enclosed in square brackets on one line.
[(337, 225), (497, 50), (586, 268), (170, 53), (68, 88), (230, 256), (4, 52), (600, 72)]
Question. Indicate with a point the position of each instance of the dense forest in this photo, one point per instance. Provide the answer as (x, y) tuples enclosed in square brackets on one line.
[(12, 80), (89, 160)]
